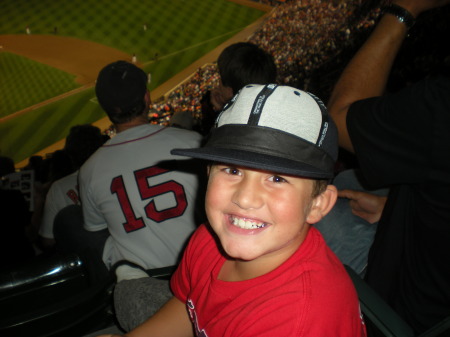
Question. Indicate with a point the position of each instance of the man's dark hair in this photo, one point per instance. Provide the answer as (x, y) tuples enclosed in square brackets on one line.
[(245, 63)]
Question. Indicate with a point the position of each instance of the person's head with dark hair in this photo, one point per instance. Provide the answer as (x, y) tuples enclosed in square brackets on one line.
[(59, 165), (82, 142), (122, 92), (240, 64), (245, 63), (36, 163), (6, 166)]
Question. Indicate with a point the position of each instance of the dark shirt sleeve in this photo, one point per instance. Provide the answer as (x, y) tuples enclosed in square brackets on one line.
[(401, 138)]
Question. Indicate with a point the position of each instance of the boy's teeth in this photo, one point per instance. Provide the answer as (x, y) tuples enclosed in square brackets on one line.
[(245, 224)]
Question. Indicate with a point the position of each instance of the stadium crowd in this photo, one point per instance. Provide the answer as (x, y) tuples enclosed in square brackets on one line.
[(311, 58), (298, 49)]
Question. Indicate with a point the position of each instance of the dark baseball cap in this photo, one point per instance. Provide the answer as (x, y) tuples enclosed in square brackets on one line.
[(120, 85), (274, 128)]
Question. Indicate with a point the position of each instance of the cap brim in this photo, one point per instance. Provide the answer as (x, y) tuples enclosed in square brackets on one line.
[(255, 160)]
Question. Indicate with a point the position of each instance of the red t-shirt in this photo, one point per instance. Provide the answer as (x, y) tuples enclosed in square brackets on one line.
[(310, 294)]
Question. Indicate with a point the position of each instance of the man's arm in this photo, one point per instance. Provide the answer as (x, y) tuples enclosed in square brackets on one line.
[(171, 320), (367, 73)]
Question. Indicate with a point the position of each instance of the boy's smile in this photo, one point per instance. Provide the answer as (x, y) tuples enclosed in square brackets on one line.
[(258, 215), (246, 223)]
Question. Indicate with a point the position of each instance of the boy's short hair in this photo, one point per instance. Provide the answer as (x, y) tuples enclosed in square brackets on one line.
[(243, 63), (319, 186), (120, 90), (274, 128)]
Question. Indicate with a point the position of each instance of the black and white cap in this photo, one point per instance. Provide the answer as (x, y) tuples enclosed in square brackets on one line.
[(274, 128)]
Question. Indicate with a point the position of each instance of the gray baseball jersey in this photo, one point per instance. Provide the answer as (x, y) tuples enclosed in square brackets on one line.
[(62, 193), (139, 191)]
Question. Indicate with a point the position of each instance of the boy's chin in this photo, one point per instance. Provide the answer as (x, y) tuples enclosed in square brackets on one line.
[(241, 253)]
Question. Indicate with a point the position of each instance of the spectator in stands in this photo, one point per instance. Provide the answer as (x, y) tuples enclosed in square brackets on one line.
[(36, 164), (258, 268), (15, 246), (81, 143), (59, 166), (6, 166), (402, 141), (182, 120), (56, 166), (240, 64), (130, 185), (312, 58), (132, 190)]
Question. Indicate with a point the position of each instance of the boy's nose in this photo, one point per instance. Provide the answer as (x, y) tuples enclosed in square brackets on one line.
[(248, 194)]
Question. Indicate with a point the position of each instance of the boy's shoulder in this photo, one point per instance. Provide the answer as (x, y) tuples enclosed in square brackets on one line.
[(313, 255)]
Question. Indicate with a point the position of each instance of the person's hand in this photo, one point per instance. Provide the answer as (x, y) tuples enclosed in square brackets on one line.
[(365, 205), (220, 96), (415, 7), (217, 99)]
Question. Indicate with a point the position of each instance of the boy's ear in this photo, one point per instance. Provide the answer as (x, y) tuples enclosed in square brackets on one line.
[(322, 204)]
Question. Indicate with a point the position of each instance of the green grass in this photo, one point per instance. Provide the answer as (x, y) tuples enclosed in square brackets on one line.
[(33, 82), (172, 24), (31, 132), (179, 31)]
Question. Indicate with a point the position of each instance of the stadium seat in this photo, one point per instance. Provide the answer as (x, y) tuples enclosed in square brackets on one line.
[(383, 318), (55, 296)]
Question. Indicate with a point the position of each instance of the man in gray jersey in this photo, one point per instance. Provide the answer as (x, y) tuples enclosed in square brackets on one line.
[(132, 186)]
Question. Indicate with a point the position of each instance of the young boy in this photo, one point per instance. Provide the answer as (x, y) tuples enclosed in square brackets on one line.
[(258, 268)]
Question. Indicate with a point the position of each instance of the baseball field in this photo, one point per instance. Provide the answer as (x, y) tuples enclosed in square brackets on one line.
[(51, 52)]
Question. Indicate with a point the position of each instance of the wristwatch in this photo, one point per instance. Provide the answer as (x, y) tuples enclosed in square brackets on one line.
[(401, 14)]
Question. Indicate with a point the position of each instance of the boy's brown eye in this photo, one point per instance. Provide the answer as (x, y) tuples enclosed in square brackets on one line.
[(278, 179), (231, 170), (234, 170)]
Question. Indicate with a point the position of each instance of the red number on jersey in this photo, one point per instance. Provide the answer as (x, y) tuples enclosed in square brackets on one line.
[(73, 196), (146, 191), (132, 223)]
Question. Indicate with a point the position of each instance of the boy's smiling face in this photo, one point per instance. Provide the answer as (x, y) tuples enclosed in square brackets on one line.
[(258, 215)]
